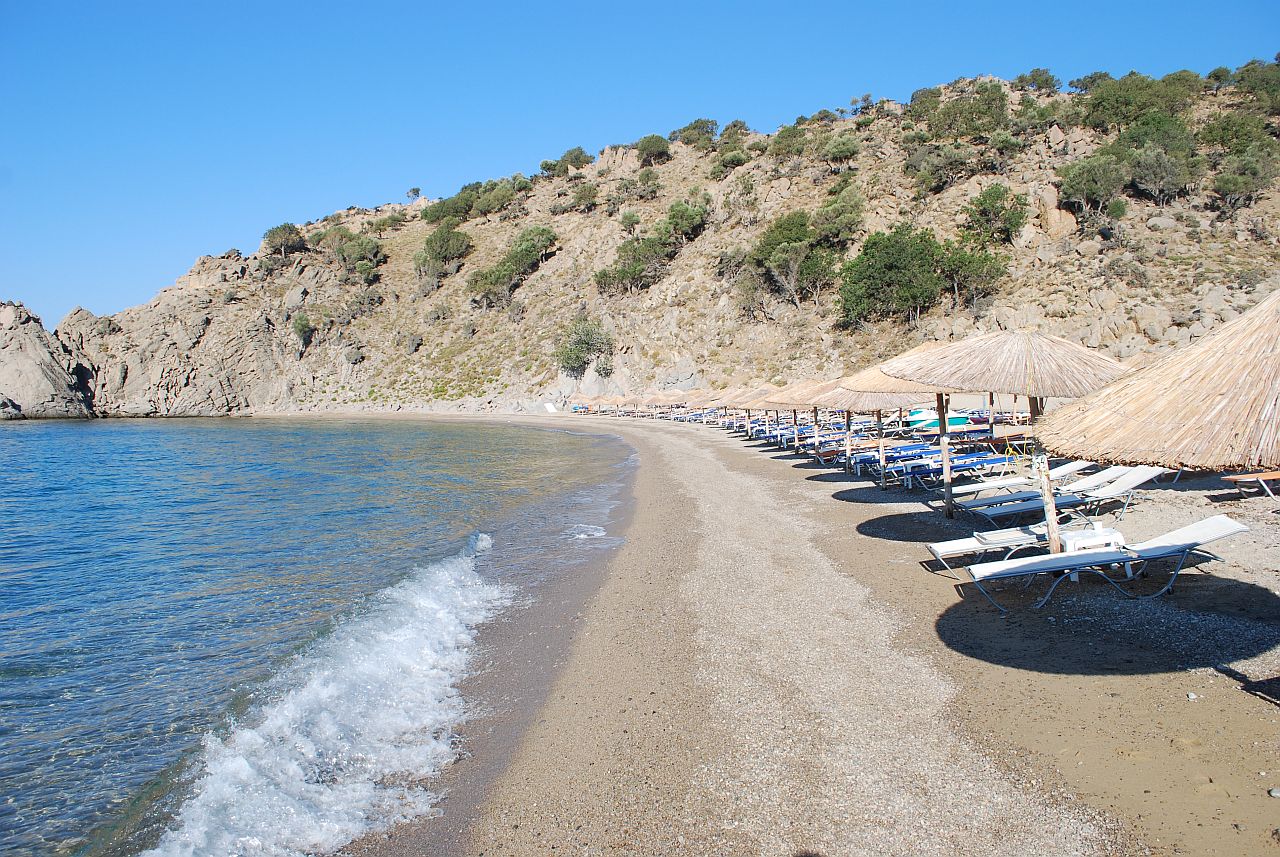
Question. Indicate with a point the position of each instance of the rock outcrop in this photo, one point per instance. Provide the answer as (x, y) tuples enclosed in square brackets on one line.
[(38, 377)]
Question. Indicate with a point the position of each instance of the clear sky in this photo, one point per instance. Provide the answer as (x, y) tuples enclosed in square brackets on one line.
[(138, 136)]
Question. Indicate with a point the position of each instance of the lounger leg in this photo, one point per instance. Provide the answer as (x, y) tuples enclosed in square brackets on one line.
[(986, 594), (1168, 587)]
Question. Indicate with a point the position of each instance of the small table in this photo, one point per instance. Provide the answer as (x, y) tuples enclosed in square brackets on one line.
[(1090, 538)]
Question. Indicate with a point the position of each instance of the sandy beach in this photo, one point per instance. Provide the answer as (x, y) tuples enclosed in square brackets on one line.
[(765, 667)]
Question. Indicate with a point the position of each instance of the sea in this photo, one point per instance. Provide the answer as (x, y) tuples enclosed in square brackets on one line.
[(246, 636)]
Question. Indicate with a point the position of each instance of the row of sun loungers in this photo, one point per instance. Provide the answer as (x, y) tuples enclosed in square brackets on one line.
[(999, 496)]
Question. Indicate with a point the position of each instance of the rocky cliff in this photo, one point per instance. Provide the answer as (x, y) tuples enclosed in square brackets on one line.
[(304, 331), (38, 376)]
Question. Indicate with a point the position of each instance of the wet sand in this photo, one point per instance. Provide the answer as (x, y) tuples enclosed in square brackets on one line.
[(767, 668)]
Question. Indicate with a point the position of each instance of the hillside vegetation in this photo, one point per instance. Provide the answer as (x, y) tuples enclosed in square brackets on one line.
[(1129, 214)]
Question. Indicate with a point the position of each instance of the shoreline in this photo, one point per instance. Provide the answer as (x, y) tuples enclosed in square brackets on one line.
[(642, 744)]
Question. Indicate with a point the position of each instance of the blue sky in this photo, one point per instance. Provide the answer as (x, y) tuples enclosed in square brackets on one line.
[(138, 136)]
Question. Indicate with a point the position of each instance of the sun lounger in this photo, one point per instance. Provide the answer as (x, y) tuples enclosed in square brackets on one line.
[(1121, 488), (1179, 543), (1057, 474), (1257, 480)]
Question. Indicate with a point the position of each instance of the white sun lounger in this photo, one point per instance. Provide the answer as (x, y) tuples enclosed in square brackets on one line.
[(1178, 543), (1084, 483), (1057, 474), (1121, 486)]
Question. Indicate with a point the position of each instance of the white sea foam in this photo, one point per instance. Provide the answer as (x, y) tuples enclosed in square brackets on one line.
[(585, 531), (358, 718)]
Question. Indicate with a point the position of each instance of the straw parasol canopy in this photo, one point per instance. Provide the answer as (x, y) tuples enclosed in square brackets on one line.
[(1213, 405), (750, 397), (793, 395), (1022, 363)]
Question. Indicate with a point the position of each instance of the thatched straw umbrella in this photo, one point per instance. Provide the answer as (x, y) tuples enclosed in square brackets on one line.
[(1213, 405), (1025, 363), (871, 390), (746, 400)]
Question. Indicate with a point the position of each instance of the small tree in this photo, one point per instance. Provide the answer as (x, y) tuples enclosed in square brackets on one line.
[(971, 272), (629, 221), (1094, 181), (839, 221), (1039, 79), (577, 158), (653, 149), (841, 149), (995, 216), (1244, 176), (896, 274), (413, 193), (284, 239), (700, 134), (303, 328), (584, 341), (789, 142)]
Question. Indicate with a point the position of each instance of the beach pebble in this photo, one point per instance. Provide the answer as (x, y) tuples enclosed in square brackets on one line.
[(1192, 696), (1274, 792)]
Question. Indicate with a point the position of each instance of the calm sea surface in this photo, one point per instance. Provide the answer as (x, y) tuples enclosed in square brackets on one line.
[(243, 636)]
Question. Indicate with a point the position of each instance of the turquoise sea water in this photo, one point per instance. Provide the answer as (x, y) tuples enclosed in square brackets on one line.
[(243, 636)]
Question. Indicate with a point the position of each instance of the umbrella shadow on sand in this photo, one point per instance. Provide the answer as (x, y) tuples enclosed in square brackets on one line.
[(1090, 629)]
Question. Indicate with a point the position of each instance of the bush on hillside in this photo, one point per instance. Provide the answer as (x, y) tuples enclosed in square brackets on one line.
[(897, 274), (972, 272), (493, 287), (842, 148), (1244, 176), (303, 328), (700, 134), (459, 205), (284, 239), (984, 112), (1233, 133), (1261, 80), (442, 249), (641, 261), (840, 220), (584, 341), (937, 167), (652, 149), (995, 216), (1118, 103), (1092, 182), (1088, 82), (789, 142), (1039, 79)]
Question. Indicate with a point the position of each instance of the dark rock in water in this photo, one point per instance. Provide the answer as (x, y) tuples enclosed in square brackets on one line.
[(38, 377)]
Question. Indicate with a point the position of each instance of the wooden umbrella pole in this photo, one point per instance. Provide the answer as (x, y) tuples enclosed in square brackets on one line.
[(815, 431), (884, 486), (848, 440), (1040, 463), (944, 442)]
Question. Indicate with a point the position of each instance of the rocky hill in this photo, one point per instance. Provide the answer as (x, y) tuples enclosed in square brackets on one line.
[(1157, 239)]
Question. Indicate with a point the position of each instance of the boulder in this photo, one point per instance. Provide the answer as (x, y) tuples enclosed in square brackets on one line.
[(1055, 136), (1161, 223), (1054, 222), (1089, 248), (295, 297), (37, 376)]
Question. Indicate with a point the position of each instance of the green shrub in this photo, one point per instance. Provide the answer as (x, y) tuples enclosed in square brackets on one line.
[(972, 272), (577, 158), (1119, 103), (1034, 115), (984, 112), (789, 142), (1220, 77), (924, 103), (1039, 79), (1093, 182), (788, 229), (459, 205), (839, 221), (492, 287), (652, 149), (700, 134), (366, 271), (444, 245), (361, 248), (1262, 81), (842, 148), (332, 239), (494, 199), (995, 216), (1117, 209), (413, 193), (1234, 132), (1158, 174), (896, 274), (1089, 82), (629, 221), (584, 341), (284, 239), (1244, 176), (303, 328), (641, 261), (937, 167)]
